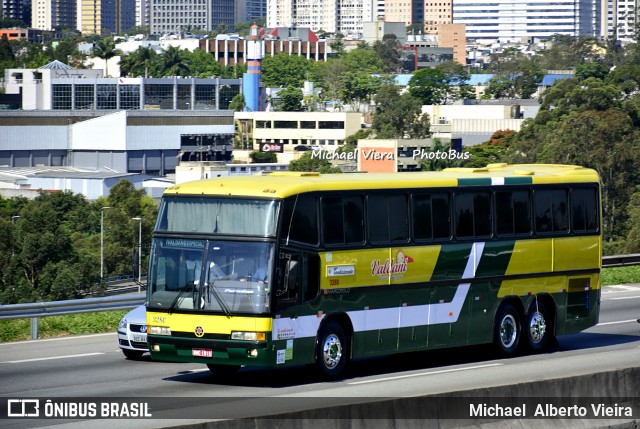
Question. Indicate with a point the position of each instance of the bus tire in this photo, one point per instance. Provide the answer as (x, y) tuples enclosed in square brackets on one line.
[(332, 353), (507, 330), (537, 328), (223, 370)]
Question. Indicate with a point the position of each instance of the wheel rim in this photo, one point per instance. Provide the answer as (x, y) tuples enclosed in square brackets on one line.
[(508, 331), (331, 351), (537, 327)]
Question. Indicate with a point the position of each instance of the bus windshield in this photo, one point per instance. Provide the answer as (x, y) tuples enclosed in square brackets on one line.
[(210, 276), (218, 215)]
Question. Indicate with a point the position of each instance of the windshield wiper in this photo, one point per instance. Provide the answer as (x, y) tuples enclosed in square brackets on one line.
[(187, 287), (218, 298)]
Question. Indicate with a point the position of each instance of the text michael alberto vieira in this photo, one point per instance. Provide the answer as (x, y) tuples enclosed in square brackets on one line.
[(549, 410), (374, 155)]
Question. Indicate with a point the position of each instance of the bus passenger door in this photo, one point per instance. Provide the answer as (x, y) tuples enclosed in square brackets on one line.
[(296, 323)]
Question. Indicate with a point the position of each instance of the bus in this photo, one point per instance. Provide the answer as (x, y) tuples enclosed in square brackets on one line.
[(359, 265)]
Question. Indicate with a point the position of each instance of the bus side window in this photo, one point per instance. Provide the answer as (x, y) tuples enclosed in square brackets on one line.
[(310, 276)]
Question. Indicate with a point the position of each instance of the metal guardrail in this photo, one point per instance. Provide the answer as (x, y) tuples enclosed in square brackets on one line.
[(34, 310), (620, 260)]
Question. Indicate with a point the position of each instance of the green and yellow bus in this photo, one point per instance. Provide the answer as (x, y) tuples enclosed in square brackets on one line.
[(303, 268)]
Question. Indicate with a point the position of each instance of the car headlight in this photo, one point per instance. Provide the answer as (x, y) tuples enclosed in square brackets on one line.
[(123, 324), (248, 336), (159, 330)]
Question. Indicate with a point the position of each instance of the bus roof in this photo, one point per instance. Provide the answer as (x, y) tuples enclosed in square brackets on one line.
[(283, 184)]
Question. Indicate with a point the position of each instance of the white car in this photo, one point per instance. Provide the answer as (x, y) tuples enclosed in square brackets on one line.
[(132, 333)]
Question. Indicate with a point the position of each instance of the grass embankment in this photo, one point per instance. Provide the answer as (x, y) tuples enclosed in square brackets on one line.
[(91, 323), (60, 326)]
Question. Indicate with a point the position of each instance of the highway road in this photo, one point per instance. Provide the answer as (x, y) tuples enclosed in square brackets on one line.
[(92, 366)]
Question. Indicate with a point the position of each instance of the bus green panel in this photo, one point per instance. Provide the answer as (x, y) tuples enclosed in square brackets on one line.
[(221, 356), (495, 258), (483, 303), (451, 261)]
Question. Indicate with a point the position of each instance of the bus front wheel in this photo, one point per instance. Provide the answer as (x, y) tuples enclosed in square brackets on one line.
[(507, 330), (332, 350), (537, 330)]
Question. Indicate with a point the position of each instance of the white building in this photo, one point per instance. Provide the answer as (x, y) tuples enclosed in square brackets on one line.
[(516, 20), (332, 16)]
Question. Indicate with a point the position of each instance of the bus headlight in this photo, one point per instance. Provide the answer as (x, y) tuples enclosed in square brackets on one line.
[(248, 336), (159, 330)]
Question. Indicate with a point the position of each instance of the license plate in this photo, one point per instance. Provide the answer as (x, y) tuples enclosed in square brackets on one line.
[(201, 352), (139, 338)]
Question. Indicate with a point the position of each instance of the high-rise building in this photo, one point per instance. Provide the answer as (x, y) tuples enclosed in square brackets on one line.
[(16, 9), (105, 16), (48, 14), (143, 12), (174, 16), (517, 20), (332, 16), (620, 18), (250, 10)]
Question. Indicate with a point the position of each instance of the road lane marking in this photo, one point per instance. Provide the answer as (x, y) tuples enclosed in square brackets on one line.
[(74, 337), (618, 322), (53, 357), (628, 297), (444, 371)]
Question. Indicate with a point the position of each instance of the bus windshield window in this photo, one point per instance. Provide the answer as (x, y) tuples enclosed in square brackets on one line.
[(210, 276), (218, 215)]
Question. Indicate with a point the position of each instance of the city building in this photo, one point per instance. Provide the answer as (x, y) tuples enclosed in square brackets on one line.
[(509, 20), (289, 132), (143, 13), (49, 14), (250, 10), (230, 50), (125, 141), (176, 16), (338, 16), (16, 9), (57, 86)]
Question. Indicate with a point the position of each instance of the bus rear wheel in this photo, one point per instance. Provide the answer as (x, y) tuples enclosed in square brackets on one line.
[(537, 328), (332, 352), (507, 330)]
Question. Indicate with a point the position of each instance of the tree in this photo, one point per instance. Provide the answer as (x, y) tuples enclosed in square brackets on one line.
[(263, 157), (337, 45), (363, 61), (441, 84), (105, 49), (429, 86), (6, 52), (237, 103), (174, 62), (283, 70), (398, 115), (359, 87), (289, 100), (309, 162), (387, 51), (137, 63)]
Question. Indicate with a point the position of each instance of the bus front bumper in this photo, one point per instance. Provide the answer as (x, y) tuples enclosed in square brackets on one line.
[(219, 352)]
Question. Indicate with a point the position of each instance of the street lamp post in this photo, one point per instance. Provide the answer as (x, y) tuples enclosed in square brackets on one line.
[(139, 219), (102, 241)]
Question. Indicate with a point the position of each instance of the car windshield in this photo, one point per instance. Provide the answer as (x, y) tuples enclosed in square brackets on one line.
[(210, 276)]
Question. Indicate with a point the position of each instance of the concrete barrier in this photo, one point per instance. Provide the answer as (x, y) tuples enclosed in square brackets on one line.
[(617, 390)]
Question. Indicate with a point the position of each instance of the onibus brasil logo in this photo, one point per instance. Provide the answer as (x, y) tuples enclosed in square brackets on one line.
[(397, 265)]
